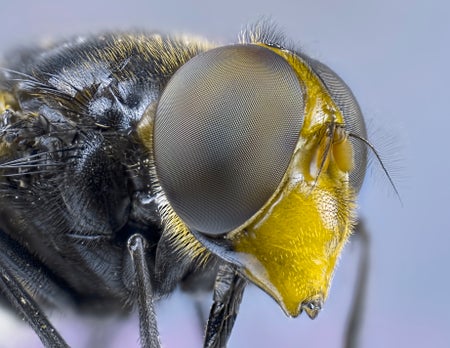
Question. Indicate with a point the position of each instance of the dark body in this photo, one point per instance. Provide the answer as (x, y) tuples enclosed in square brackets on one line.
[(75, 180), (86, 215)]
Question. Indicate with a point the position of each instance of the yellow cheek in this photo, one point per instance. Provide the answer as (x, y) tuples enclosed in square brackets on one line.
[(292, 250)]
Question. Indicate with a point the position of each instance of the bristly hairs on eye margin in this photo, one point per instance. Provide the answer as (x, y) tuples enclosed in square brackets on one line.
[(265, 31)]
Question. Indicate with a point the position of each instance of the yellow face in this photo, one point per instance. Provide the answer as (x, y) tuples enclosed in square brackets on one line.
[(291, 246)]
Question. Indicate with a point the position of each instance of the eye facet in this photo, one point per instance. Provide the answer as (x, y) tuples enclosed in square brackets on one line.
[(226, 127), (354, 121)]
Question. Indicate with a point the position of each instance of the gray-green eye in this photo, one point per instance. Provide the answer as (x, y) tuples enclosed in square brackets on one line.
[(225, 129), (354, 121)]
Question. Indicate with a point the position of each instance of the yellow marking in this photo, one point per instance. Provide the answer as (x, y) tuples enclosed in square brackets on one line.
[(7, 102), (168, 54)]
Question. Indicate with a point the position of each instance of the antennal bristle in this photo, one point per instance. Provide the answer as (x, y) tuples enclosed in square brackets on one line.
[(377, 155)]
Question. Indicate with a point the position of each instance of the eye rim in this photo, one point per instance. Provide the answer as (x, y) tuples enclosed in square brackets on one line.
[(299, 107)]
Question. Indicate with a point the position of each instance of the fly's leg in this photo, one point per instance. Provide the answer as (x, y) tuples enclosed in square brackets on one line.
[(147, 317), (354, 322), (29, 310), (17, 266), (228, 290)]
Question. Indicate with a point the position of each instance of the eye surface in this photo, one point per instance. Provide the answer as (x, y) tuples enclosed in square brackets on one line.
[(225, 130), (354, 121)]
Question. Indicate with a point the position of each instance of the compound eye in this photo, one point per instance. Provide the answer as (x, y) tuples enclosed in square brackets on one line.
[(225, 130), (354, 120)]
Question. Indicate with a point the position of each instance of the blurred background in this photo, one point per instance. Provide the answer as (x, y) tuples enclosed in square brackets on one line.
[(394, 55)]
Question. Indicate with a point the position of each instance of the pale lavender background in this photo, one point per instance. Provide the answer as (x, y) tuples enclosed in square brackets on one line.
[(394, 55)]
